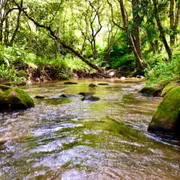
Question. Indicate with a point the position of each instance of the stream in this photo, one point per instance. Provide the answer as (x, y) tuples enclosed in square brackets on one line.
[(71, 139)]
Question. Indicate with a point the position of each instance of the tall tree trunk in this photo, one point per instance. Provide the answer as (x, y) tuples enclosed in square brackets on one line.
[(136, 35), (176, 22), (134, 41), (136, 23), (6, 32), (161, 30), (1, 32), (177, 14), (17, 25), (172, 18), (1, 21)]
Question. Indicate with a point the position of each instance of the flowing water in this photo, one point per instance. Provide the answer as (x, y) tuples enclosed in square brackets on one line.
[(71, 139)]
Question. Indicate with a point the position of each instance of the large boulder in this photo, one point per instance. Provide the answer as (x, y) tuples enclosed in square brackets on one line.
[(170, 86), (166, 118), (12, 98), (151, 91)]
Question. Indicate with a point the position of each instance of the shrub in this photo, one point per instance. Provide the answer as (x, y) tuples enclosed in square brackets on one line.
[(162, 72)]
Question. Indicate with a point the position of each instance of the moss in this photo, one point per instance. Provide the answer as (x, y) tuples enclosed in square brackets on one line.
[(169, 86), (24, 97), (151, 91), (12, 98), (167, 115)]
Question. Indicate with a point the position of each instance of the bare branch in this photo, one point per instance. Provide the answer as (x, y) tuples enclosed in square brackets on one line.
[(112, 16)]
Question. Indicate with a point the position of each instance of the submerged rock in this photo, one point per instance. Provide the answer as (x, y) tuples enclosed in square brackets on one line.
[(39, 97), (90, 98), (166, 118), (12, 98), (151, 91), (103, 84), (67, 95), (69, 83), (86, 93), (92, 85)]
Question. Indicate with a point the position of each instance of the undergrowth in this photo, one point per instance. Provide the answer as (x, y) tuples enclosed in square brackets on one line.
[(160, 70), (12, 59)]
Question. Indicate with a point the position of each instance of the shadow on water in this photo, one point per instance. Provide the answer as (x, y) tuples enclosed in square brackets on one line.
[(67, 138)]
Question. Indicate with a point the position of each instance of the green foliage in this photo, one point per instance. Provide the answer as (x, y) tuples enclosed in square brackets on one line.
[(10, 55), (161, 71), (120, 54), (76, 24), (13, 58), (8, 74), (22, 73), (126, 60)]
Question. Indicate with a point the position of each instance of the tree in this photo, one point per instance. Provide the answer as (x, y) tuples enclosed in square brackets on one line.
[(161, 30), (111, 37), (174, 14), (90, 24), (133, 36), (8, 13), (56, 38), (17, 23)]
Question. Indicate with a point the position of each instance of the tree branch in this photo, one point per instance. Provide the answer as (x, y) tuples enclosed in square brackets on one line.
[(48, 28), (112, 15)]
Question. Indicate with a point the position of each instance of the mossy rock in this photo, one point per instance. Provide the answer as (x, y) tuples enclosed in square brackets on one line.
[(170, 86), (166, 118), (12, 98), (151, 91), (92, 85)]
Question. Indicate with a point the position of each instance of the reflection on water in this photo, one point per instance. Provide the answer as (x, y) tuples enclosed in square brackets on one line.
[(70, 139)]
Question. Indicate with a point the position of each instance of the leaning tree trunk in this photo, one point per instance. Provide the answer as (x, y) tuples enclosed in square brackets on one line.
[(56, 38), (17, 25), (139, 62)]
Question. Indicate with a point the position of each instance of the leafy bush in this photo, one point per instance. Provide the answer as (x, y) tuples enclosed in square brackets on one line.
[(11, 55), (163, 72), (8, 74), (126, 60)]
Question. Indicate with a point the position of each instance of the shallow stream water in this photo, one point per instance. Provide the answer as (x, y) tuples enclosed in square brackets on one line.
[(71, 139)]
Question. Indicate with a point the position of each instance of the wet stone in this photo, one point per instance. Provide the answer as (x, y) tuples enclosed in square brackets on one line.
[(39, 97), (92, 85), (69, 83), (90, 98), (103, 84), (67, 95)]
